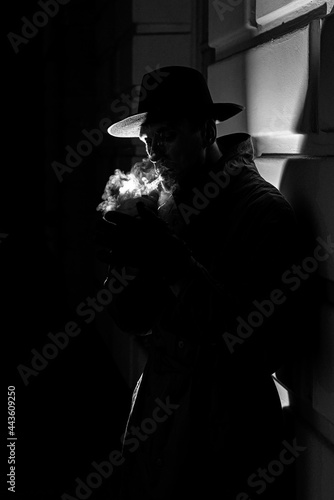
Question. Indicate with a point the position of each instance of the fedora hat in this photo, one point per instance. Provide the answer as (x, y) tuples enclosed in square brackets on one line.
[(169, 92)]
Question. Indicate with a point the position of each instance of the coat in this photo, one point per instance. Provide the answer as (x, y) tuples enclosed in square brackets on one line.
[(205, 413)]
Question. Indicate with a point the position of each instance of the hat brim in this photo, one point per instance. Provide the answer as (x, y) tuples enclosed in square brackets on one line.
[(130, 127)]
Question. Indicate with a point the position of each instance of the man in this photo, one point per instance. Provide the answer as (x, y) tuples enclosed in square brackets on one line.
[(209, 297)]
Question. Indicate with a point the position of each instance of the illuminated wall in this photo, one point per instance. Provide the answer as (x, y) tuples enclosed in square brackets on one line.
[(276, 58)]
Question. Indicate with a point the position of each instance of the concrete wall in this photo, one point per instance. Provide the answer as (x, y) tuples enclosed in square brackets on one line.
[(276, 58)]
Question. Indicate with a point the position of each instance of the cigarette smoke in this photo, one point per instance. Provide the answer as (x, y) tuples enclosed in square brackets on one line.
[(143, 179)]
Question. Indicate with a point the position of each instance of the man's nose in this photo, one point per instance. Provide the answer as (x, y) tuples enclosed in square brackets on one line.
[(155, 150)]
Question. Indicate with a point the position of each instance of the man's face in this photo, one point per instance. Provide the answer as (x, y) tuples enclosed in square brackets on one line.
[(174, 146)]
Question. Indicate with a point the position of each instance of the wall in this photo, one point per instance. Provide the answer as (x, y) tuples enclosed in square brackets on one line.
[(276, 58)]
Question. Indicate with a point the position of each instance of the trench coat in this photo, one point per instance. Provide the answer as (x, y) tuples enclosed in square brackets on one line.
[(205, 414)]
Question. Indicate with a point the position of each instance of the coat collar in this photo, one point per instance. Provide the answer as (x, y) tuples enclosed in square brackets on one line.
[(236, 149), (238, 144)]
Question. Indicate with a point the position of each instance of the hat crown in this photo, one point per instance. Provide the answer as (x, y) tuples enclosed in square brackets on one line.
[(174, 89)]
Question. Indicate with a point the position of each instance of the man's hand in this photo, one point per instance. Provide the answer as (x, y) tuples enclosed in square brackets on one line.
[(145, 242)]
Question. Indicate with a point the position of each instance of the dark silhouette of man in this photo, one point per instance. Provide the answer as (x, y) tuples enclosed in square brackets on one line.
[(211, 252)]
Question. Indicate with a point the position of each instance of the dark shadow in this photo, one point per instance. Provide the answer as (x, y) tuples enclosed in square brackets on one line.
[(72, 411)]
